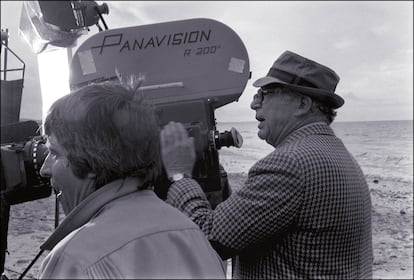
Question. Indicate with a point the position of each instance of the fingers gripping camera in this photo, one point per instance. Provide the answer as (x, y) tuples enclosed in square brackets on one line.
[(178, 151)]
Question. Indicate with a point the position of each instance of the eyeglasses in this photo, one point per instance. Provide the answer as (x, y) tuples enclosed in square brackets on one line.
[(259, 96)]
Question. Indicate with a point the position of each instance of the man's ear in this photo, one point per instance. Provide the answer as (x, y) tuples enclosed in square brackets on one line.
[(305, 106)]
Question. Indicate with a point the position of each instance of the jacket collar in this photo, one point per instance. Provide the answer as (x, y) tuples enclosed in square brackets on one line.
[(82, 213), (317, 128)]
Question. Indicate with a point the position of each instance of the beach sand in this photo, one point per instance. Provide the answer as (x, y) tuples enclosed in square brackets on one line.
[(392, 220)]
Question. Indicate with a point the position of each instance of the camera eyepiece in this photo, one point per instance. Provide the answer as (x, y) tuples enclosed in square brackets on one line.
[(228, 138)]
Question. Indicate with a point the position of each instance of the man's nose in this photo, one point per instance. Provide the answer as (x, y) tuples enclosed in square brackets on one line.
[(254, 105), (45, 170)]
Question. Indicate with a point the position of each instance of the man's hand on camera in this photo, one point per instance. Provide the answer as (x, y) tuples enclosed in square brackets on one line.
[(177, 150)]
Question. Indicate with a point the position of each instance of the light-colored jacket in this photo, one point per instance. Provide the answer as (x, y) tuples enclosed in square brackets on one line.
[(120, 232)]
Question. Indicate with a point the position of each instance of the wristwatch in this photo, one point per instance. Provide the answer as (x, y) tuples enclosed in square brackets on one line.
[(177, 177)]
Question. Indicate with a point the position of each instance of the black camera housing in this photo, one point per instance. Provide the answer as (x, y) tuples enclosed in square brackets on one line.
[(23, 151), (189, 68)]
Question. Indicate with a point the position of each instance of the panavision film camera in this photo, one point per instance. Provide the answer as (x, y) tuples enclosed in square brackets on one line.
[(190, 68)]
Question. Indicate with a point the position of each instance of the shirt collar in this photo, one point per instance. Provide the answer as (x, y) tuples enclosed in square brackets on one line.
[(83, 212)]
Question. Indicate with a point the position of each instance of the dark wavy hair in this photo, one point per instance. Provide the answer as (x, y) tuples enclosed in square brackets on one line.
[(109, 129)]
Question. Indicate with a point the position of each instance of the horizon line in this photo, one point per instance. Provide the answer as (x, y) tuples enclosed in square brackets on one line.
[(40, 121), (332, 122)]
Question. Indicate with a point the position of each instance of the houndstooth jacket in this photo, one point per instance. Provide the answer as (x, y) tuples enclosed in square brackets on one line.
[(304, 212)]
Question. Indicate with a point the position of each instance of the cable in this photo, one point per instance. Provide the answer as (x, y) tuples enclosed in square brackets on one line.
[(31, 264), (101, 17), (41, 251)]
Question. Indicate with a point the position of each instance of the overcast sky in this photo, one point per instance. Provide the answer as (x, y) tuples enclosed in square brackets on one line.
[(369, 44)]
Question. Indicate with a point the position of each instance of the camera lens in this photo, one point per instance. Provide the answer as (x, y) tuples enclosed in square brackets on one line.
[(35, 152)]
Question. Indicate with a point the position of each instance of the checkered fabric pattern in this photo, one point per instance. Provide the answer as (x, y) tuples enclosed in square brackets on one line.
[(304, 212)]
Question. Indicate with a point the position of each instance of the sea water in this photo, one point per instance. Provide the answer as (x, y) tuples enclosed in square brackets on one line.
[(384, 149)]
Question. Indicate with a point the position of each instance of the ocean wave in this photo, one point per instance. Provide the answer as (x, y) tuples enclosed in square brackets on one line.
[(383, 149), (379, 178)]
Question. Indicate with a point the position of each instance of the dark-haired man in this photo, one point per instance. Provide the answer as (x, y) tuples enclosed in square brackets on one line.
[(104, 158)]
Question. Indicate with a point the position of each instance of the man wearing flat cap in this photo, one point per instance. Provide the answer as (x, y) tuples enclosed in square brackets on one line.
[(305, 209)]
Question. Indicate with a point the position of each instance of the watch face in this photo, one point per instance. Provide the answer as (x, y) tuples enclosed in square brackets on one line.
[(177, 177)]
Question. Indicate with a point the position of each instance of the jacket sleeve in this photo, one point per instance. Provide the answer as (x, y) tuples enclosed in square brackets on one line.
[(263, 208)]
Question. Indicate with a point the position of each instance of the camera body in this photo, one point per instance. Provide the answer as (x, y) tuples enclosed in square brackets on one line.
[(189, 68), (198, 119), (23, 151)]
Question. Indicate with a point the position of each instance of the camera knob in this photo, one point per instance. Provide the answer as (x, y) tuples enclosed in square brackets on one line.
[(237, 138)]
